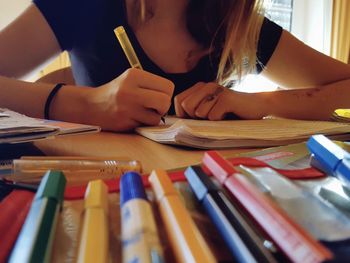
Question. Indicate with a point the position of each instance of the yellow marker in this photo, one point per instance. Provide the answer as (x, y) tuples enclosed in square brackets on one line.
[(94, 235), (185, 238), (127, 47)]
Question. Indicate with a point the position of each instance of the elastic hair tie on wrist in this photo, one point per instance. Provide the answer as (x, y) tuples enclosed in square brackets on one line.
[(50, 98)]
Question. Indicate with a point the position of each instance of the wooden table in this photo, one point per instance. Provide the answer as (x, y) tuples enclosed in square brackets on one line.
[(151, 154)]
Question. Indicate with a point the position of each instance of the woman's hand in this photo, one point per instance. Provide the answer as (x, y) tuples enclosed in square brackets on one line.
[(213, 102), (134, 98)]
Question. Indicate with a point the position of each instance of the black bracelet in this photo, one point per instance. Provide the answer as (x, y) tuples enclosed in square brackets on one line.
[(50, 98)]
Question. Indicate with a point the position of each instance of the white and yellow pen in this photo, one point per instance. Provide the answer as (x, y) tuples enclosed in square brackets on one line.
[(187, 242), (94, 235), (127, 47), (140, 242), (129, 50)]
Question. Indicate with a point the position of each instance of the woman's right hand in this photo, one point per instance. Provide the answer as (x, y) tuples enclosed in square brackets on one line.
[(135, 98)]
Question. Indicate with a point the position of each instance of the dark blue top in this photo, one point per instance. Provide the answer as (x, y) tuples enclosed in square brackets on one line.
[(85, 29)]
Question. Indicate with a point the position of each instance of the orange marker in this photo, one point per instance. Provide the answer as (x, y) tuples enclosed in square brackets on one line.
[(185, 238)]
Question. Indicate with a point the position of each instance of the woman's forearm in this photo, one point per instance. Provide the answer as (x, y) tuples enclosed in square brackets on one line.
[(29, 99), (312, 103)]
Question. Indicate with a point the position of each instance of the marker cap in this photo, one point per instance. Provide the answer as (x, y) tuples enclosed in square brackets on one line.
[(96, 195), (343, 171), (131, 187), (52, 186), (218, 165), (200, 182), (326, 152), (161, 184)]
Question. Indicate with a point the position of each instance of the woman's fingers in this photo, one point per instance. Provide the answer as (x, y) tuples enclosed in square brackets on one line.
[(208, 103), (198, 102), (178, 100), (143, 79)]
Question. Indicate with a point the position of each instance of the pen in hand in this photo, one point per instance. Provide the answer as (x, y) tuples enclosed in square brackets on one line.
[(129, 50)]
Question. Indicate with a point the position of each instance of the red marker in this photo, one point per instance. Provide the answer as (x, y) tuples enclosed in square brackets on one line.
[(293, 240)]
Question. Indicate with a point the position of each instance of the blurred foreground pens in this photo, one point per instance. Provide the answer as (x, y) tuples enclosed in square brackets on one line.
[(35, 240), (140, 241), (94, 234)]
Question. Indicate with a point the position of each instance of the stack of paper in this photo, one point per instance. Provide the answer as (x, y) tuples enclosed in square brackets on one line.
[(15, 128), (241, 133)]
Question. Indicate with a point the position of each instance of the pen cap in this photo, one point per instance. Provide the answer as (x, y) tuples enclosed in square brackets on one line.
[(326, 152), (218, 165), (161, 184), (96, 195), (343, 171), (200, 182), (131, 187), (52, 186)]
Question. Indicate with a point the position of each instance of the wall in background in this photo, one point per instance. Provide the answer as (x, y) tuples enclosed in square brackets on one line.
[(10, 9)]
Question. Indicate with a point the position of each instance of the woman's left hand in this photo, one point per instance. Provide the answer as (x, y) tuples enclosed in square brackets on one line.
[(213, 102), (197, 101)]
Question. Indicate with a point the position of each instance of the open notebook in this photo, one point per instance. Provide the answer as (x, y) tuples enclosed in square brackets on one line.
[(16, 128), (241, 133)]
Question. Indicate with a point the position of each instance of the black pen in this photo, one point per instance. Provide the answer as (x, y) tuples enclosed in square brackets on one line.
[(242, 241)]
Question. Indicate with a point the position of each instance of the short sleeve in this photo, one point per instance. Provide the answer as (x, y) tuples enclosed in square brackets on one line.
[(270, 35), (61, 15)]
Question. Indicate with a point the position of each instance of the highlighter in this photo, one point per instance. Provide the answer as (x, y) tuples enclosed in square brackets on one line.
[(185, 238), (140, 241), (94, 239), (35, 240)]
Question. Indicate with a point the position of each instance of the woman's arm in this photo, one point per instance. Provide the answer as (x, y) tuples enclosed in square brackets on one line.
[(315, 85), (296, 65), (136, 97), (24, 45)]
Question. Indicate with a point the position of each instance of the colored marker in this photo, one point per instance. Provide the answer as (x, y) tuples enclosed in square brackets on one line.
[(94, 235), (14, 209), (242, 241), (140, 239), (36, 237), (293, 240), (330, 158), (185, 238)]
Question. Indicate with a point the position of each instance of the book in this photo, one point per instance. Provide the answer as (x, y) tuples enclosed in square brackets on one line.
[(205, 134), (19, 128)]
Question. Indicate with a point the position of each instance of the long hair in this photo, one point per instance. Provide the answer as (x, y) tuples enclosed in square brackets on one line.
[(229, 28)]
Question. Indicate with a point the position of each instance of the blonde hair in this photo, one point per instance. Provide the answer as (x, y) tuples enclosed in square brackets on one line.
[(237, 28), (239, 54)]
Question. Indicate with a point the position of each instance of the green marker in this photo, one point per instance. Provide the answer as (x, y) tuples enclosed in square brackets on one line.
[(34, 243)]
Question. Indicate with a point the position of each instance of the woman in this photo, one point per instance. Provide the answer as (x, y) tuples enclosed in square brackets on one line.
[(188, 49)]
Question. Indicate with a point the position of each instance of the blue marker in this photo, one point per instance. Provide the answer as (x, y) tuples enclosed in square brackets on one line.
[(330, 158), (242, 241), (140, 242)]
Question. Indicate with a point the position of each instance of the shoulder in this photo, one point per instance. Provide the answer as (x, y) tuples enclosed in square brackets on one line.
[(269, 37), (70, 18)]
